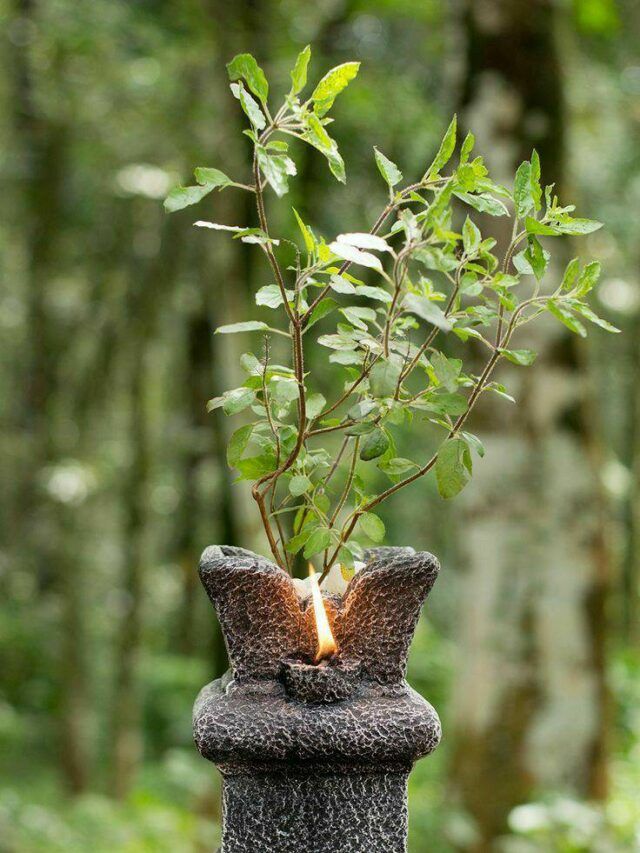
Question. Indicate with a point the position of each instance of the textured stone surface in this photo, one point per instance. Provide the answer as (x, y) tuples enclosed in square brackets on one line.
[(315, 813), (315, 757), (329, 682)]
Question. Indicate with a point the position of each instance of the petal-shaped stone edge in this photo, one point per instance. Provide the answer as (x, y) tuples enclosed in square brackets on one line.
[(258, 609), (263, 621), (380, 610)]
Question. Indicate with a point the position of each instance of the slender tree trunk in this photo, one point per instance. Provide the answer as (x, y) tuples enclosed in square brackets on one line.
[(630, 580), (43, 526), (529, 703), (148, 288), (127, 742)]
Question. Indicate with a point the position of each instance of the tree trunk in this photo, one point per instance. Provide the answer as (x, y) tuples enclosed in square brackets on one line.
[(127, 742), (42, 526), (148, 288), (529, 701)]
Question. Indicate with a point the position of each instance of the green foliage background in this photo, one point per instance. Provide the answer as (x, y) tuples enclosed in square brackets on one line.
[(114, 476)]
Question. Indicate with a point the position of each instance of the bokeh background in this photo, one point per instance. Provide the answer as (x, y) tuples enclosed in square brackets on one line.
[(113, 475)]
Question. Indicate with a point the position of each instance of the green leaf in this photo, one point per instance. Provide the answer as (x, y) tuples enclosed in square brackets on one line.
[(590, 315), (578, 227), (522, 264), (372, 526), (362, 409), (276, 168), (522, 190), (360, 429), (471, 237), (299, 72), (319, 540), (284, 391), (522, 357), (442, 403), (483, 203), (359, 316), (341, 285), (377, 293), (536, 258), (237, 444), (453, 467), (299, 484), (374, 445), (388, 169), (447, 370), (315, 404), (332, 84), (271, 296), (181, 197), (211, 177), (254, 467), (566, 318), (249, 106), (396, 467), (324, 307), (467, 148), (384, 377), (536, 189), (570, 274), (500, 390), (588, 278), (365, 241), (237, 400), (244, 66), (473, 441), (346, 562), (447, 147), (237, 230), (355, 256), (307, 236), (248, 326), (346, 357), (296, 542), (427, 310), (533, 226), (316, 135), (251, 365)]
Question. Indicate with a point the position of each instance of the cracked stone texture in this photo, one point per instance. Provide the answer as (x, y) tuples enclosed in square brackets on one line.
[(307, 764)]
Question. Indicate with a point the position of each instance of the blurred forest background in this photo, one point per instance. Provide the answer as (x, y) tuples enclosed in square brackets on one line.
[(113, 475)]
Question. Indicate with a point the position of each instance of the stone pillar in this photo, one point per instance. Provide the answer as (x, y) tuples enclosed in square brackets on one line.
[(315, 757)]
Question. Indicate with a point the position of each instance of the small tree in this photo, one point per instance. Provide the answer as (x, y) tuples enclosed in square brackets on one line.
[(428, 279)]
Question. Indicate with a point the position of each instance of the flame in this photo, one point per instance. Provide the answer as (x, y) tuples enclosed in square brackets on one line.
[(326, 644)]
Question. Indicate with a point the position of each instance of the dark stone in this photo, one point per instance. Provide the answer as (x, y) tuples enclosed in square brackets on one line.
[(315, 757)]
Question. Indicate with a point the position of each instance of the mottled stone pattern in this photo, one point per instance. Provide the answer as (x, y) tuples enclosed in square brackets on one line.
[(300, 813), (315, 757), (330, 682), (258, 609), (381, 608)]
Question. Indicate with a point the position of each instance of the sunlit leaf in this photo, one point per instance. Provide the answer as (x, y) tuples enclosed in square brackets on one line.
[(388, 169), (244, 66), (299, 72), (334, 82)]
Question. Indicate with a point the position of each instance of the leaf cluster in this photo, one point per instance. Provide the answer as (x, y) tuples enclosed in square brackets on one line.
[(395, 308)]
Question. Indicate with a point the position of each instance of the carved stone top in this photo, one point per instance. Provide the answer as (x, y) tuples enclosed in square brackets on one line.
[(264, 621), (277, 708)]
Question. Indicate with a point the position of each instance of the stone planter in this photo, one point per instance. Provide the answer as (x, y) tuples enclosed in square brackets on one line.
[(315, 757)]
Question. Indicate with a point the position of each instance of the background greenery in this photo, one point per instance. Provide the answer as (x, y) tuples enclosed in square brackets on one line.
[(114, 477)]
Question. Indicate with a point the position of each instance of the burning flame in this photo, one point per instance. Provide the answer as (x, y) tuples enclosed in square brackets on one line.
[(326, 644)]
